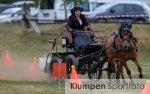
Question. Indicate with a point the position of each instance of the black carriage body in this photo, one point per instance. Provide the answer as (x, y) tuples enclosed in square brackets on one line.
[(92, 56), (85, 58), (90, 50), (85, 55), (63, 55)]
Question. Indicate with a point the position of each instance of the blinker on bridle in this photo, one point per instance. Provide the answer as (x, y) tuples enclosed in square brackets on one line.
[(125, 31)]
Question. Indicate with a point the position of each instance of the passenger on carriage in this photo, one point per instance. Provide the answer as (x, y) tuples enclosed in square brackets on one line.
[(77, 25)]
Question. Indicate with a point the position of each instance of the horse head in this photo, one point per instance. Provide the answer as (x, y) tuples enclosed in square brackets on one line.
[(125, 25), (126, 36)]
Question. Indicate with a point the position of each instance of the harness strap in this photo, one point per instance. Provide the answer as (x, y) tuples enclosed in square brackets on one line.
[(113, 43), (134, 40)]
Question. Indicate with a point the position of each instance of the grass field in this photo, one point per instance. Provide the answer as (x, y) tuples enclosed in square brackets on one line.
[(23, 47), (24, 87)]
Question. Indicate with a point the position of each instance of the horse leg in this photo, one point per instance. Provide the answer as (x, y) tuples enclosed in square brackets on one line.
[(111, 61), (138, 66), (128, 70), (121, 70), (111, 69)]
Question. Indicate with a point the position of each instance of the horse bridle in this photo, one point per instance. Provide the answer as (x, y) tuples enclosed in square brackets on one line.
[(125, 31), (123, 48)]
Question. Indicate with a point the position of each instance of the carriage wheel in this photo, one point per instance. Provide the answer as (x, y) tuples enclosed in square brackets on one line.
[(70, 60), (112, 75), (47, 70), (97, 74)]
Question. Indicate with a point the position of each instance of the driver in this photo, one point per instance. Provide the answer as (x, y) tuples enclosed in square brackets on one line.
[(77, 21), (76, 25)]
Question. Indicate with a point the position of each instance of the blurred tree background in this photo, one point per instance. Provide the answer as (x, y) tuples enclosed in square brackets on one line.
[(44, 3), (36, 1), (11, 1), (7, 1)]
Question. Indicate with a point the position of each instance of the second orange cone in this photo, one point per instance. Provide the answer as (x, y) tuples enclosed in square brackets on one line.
[(8, 59), (34, 65)]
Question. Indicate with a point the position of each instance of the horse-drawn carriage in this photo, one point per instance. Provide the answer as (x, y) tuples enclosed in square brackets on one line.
[(86, 53)]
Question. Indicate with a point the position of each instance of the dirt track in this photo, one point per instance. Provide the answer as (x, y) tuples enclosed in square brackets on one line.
[(20, 71)]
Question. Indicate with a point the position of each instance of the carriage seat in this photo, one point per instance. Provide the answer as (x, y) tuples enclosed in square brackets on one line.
[(76, 39)]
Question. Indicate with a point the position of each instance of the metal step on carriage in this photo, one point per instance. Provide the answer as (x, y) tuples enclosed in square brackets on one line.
[(88, 58)]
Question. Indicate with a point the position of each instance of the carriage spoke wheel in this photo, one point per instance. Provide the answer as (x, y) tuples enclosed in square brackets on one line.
[(96, 74), (70, 60), (111, 74)]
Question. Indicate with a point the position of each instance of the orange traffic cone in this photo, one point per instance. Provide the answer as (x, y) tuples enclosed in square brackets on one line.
[(34, 65), (146, 89), (75, 78), (74, 74), (8, 60)]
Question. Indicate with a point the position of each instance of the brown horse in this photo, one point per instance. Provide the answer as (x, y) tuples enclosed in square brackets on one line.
[(121, 46)]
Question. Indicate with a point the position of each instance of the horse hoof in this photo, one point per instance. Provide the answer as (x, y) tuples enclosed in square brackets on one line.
[(140, 76)]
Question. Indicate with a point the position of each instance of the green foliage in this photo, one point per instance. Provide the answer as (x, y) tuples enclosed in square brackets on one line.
[(76, 2), (8, 1), (12, 1), (47, 4)]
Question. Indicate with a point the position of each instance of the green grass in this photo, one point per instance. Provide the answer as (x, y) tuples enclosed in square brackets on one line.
[(23, 87), (25, 46)]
